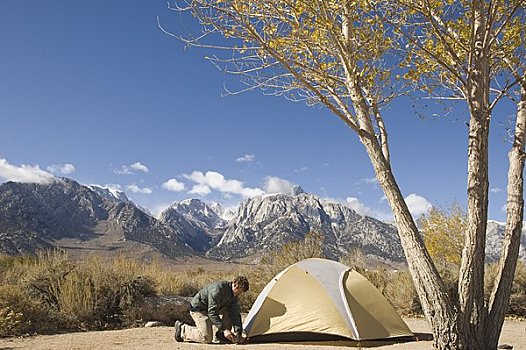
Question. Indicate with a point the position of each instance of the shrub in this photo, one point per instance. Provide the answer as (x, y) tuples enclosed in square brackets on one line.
[(443, 232), (10, 321), (49, 292), (518, 293), (43, 277), (22, 314), (100, 294), (517, 304)]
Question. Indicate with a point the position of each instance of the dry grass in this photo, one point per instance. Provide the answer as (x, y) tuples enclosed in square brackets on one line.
[(51, 292)]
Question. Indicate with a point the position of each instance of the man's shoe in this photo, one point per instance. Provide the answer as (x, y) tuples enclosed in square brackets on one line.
[(178, 337), (221, 339)]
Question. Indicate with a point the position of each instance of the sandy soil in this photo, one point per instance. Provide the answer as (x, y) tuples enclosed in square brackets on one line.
[(161, 338)]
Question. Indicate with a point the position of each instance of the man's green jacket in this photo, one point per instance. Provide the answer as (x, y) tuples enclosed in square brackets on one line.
[(216, 299)]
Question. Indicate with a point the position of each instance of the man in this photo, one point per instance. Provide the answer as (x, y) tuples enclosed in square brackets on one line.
[(215, 305)]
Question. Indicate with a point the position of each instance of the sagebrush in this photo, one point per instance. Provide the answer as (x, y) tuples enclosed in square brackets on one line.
[(50, 292)]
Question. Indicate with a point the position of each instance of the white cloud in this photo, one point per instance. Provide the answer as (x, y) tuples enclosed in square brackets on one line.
[(124, 170), (140, 167), (201, 190), (64, 169), (130, 169), (418, 205), (212, 180), (157, 209), (300, 170), (277, 185), (136, 189), (173, 185), (246, 158), (359, 207), (115, 189), (368, 181), (24, 173), (112, 187), (355, 204), (495, 190)]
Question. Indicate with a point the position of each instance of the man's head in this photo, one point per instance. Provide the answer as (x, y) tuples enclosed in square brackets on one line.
[(239, 285)]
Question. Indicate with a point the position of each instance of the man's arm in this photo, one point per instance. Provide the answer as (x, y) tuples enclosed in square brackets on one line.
[(235, 316), (213, 310)]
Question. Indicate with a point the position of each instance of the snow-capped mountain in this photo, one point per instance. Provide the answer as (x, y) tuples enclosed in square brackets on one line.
[(69, 215), (265, 222), (194, 233), (200, 213), (115, 195), (36, 216), (110, 194), (495, 237), (225, 213)]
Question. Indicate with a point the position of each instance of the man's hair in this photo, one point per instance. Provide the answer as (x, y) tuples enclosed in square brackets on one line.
[(241, 282)]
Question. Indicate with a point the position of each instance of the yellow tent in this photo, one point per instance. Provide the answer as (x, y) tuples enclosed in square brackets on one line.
[(317, 298)]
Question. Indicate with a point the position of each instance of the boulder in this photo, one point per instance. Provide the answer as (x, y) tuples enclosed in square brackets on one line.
[(166, 309)]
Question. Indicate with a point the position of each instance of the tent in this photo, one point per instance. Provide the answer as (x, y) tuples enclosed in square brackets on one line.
[(322, 299)]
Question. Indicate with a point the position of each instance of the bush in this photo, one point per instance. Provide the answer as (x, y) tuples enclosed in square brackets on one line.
[(100, 295), (50, 293), (518, 292), (10, 321), (517, 304), (21, 314)]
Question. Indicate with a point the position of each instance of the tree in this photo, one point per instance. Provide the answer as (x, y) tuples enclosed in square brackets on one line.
[(474, 51), (343, 55), (444, 234)]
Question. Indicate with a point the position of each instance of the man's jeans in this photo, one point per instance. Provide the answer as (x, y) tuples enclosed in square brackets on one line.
[(204, 330)]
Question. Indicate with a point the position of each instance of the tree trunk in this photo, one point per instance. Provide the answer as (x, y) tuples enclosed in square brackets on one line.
[(431, 290), (471, 275), (510, 250), (430, 287)]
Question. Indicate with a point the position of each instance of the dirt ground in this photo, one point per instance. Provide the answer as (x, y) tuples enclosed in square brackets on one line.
[(161, 338)]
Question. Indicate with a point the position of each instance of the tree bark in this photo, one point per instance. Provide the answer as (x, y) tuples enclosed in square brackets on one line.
[(430, 287), (471, 275), (510, 250)]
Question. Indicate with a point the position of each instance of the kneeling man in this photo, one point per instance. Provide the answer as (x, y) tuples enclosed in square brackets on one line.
[(215, 305)]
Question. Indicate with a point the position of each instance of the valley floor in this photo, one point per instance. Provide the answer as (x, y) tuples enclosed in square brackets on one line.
[(161, 338)]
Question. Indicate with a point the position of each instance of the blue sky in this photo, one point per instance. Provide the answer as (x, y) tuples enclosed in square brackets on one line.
[(95, 91)]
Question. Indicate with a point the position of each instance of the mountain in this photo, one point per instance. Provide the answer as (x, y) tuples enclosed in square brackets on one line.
[(200, 213), (91, 219), (110, 193), (194, 234), (201, 224), (225, 213), (68, 215), (495, 236), (265, 222)]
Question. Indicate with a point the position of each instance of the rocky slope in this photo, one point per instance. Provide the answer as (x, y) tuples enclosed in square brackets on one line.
[(37, 216), (264, 223), (69, 215), (495, 236)]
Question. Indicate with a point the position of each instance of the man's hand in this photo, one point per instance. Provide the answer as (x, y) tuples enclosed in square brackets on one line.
[(230, 336), (242, 339)]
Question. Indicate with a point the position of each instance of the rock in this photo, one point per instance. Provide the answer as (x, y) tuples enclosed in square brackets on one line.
[(505, 346), (166, 309), (153, 324)]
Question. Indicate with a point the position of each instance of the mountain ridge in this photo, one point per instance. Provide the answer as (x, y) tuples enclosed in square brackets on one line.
[(66, 214)]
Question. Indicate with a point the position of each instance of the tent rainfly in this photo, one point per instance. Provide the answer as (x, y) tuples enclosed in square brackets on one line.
[(320, 299)]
